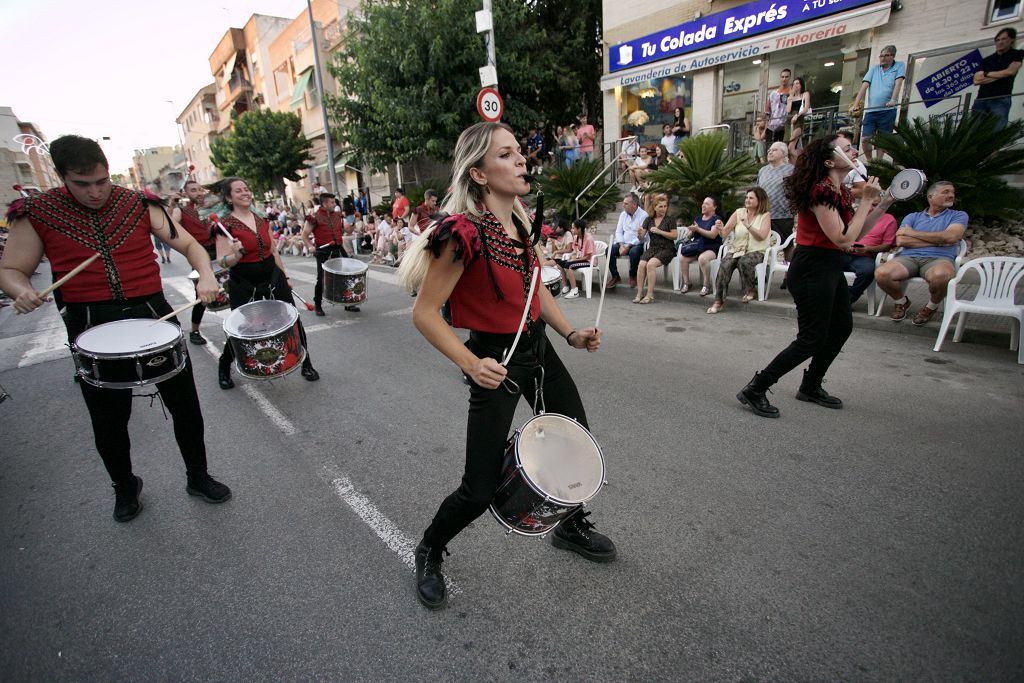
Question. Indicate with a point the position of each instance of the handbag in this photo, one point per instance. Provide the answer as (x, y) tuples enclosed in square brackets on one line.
[(693, 246)]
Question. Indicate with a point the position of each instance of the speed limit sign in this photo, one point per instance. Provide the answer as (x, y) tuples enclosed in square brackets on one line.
[(489, 105)]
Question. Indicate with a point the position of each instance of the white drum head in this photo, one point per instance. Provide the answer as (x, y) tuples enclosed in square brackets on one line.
[(561, 458), (345, 266), (907, 184), (260, 319), (549, 275), (194, 276), (128, 336)]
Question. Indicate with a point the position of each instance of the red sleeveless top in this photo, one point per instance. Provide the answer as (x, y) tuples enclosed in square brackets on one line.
[(256, 244), (120, 231), (808, 230), (195, 226), (327, 227), (483, 245)]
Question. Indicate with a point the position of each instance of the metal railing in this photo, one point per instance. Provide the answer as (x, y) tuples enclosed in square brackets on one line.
[(615, 159)]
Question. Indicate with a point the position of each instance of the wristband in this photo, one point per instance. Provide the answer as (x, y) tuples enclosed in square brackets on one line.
[(568, 336)]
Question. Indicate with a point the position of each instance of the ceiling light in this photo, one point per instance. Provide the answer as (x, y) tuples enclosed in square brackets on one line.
[(757, 61), (830, 63)]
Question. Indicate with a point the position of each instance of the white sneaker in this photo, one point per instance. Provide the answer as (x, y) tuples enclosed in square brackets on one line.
[(575, 292), (565, 289)]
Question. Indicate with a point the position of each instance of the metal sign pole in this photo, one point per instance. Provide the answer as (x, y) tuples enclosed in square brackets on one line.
[(335, 188)]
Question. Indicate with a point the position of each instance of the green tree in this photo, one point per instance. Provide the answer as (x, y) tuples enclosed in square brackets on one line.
[(706, 169), (408, 72), (265, 148), (968, 152)]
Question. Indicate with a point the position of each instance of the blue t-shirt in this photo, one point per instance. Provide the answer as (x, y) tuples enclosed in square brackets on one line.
[(881, 82), (922, 222)]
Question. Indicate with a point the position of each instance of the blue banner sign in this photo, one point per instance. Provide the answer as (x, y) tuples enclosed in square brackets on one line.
[(950, 79), (738, 23)]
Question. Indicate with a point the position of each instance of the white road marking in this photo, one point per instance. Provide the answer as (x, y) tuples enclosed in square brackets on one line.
[(385, 529)]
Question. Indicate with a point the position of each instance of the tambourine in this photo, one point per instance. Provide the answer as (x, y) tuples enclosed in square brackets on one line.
[(907, 184)]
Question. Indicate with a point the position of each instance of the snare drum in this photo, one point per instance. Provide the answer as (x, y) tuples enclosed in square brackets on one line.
[(124, 354), (345, 281), (907, 184), (222, 274), (552, 279), (265, 338), (552, 466)]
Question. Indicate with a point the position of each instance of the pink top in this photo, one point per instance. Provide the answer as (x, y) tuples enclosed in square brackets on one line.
[(585, 134), (884, 232), (585, 250)]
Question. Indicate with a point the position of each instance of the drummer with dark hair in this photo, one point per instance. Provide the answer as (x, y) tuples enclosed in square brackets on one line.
[(187, 215), (327, 227), (72, 223), (257, 271), (481, 259)]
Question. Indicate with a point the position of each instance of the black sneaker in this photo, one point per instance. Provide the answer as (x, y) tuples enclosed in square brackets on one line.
[(430, 588), (224, 377), (196, 338), (578, 535), (320, 311), (207, 488), (310, 374), (127, 505)]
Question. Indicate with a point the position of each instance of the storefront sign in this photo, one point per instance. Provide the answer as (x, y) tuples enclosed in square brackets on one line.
[(821, 29), (950, 79), (738, 23)]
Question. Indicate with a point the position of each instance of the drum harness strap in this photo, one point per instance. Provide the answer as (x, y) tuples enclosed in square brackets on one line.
[(535, 333), (264, 290)]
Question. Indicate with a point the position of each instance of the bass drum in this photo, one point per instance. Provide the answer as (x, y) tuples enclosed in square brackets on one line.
[(553, 465)]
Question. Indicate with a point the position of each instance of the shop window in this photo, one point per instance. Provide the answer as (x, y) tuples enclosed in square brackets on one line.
[(646, 107), (1002, 10)]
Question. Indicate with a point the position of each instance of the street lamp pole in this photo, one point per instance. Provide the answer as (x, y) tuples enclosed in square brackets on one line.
[(323, 105)]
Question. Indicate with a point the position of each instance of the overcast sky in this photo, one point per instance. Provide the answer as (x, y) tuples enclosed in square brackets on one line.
[(107, 67)]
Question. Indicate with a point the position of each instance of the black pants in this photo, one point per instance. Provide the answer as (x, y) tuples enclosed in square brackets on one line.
[(824, 320), (490, 417), (254, 281), (111, 409), (325, 254)]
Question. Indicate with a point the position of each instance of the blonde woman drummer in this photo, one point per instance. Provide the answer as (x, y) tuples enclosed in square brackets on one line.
[(481, 260)]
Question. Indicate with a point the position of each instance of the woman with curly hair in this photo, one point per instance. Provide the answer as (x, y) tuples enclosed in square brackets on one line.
[(826, 226)]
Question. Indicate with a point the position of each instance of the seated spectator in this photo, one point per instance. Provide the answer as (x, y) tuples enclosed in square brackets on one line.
[(860, 257), (626, 241), (640, 168), (661, 250), (581, 250), (382, 245), (558, 244), (928, 241), (703, 245), (630, 152), (752, 225)]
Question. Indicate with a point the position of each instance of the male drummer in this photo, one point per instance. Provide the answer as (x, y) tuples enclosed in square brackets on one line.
[(187, 215), (327, 227), (68, 225)]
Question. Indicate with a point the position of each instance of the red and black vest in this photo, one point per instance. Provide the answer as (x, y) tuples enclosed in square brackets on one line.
[(328, 227), (195, 225), (120, 231), (256, 244)]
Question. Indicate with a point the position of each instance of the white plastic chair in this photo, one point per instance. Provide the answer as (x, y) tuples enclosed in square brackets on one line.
[(600, 252), (961, 250), (999, 276), (761, 269), (775, 265)]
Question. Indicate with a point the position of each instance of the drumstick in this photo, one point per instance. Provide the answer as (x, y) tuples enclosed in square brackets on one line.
[(309, 306), (177, 311), (835, 150), (604, 280), (522, 321), (77, 269)]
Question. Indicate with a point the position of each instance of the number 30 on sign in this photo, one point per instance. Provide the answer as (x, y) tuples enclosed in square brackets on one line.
[(489, 105)]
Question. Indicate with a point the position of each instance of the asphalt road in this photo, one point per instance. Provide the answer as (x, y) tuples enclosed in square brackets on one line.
[(882, 541)]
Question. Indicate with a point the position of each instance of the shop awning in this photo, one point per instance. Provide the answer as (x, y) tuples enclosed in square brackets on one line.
[(300, 87), (833, 26), (339, 163)]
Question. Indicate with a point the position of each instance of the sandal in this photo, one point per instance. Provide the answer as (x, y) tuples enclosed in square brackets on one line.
[(685, 289), (705, 290), (715, 307), (748, 297), (638, 299), (647, 300)]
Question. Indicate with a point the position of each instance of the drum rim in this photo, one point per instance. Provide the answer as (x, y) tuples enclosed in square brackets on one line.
[(268, 333), (137, 383), (362, 271), (180, 339), (534, 486), (914, 173)]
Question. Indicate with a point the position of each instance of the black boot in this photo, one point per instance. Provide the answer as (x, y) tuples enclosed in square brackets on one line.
[(127, 505), (224, 375), (753, 395), (576, 533), (430, 588), (206, 487), (810, 390), (319, 310), (309, 373)]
